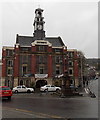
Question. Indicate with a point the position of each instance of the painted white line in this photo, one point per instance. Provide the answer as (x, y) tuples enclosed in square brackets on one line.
[(86, 90)]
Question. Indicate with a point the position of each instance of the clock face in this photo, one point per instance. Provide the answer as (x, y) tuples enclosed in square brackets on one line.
[(39, 27)]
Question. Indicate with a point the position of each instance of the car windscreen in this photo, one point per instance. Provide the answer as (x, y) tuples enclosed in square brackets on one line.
[(5, 88)]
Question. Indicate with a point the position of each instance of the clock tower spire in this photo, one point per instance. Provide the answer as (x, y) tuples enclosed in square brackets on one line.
[(39, 32)]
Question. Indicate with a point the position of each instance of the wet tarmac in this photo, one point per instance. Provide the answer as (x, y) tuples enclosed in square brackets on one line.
[(47, 106)]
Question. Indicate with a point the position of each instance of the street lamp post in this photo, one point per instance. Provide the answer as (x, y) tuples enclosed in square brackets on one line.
[(66, 90)]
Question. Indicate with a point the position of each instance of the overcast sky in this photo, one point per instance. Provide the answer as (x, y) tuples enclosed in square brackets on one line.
[(75, 22)]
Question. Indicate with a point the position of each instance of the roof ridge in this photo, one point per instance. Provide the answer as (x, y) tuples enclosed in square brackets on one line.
[(25, 36), (53, 37)]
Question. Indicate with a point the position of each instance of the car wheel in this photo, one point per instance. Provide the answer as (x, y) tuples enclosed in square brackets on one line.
[(46, 90), (28, 91), (57, 90), (9, 98), (16, 91)]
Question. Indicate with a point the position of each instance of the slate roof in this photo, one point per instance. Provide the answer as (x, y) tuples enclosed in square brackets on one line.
[(27, 40), (24, 40), (55, 41)]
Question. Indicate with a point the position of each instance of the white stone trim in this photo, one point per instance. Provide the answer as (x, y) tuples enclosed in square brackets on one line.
[(6, 47), (41, 75), (25, 46), (17, 45), (71, 50), (41, 42), (58, 47)]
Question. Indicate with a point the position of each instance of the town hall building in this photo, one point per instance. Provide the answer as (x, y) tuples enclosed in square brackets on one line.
[(37, 59)]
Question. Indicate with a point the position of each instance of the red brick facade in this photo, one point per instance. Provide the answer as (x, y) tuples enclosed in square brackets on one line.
[(33, 64), (50, 66), (65, 63)]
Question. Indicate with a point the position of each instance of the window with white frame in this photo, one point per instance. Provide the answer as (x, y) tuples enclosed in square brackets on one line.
[(57, 70), (24, 70), (9, 52), (70, 54), (9, 71), (41, 59), (71, 72), (41, 48), (70, 63), (10, 63), (41, 69), (25, 59), (57, 59)]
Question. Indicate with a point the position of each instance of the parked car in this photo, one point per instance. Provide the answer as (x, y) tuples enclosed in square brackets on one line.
[(5, 92), (50, 88), (22, 88)]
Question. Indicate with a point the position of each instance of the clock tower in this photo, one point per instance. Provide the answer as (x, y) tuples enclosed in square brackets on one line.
[(39, 32)]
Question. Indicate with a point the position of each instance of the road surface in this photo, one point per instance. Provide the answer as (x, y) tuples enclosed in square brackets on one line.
[(36, 106)]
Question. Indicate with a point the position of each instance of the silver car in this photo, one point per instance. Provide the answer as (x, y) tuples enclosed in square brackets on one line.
[(50, 88), (22, 88)]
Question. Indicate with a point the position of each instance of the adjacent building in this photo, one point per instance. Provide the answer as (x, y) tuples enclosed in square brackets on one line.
[(76, 66)]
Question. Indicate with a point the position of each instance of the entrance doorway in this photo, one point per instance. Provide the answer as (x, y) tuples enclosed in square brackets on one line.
[(40, 83), (21, 82)]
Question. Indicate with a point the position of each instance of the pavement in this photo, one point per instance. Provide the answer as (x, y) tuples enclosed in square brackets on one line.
[(92, 89), (79, 93)]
